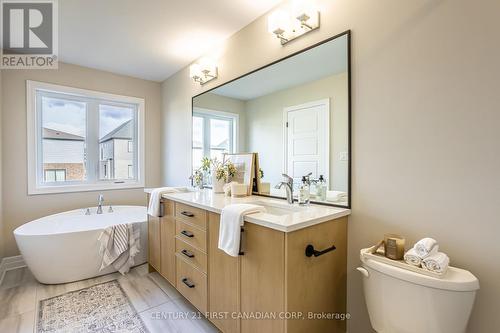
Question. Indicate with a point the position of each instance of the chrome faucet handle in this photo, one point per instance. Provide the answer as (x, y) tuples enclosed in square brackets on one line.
[(110, 209), (288, 179), (87, 212)]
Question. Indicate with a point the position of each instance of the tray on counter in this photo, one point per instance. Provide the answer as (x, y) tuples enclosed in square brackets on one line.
[(379, 256)]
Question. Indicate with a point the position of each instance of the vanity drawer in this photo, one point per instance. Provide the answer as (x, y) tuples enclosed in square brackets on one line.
[(191, 255), (191, 235), (192, 284), (193, 215)]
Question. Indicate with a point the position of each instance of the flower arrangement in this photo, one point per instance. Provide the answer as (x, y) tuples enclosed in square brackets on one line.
[(222, 171), (205, 164), (197, 178)]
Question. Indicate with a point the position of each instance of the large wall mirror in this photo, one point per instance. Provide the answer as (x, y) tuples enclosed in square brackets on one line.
[(295, 113)]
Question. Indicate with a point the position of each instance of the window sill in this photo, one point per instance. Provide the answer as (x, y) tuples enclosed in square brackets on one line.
[(84, 188)]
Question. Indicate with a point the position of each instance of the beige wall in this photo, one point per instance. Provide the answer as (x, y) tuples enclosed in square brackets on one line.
[(20, 208), (226, 104), (265, 126), (425, 128)]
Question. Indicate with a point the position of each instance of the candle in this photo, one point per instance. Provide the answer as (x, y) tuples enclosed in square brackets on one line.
[(394, 246)]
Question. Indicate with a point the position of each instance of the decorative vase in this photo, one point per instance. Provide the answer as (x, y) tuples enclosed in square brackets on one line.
[(217, 185)]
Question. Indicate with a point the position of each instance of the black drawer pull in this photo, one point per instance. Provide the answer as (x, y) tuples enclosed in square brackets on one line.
[(187, 233), (310, 251), (187, 253), (187, 283), (188, 214)]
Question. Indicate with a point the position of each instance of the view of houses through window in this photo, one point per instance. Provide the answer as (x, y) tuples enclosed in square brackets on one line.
[(116, 133), (64, 127), (69, 136)]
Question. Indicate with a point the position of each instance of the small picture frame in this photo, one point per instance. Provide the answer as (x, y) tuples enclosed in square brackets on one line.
[(245, 164)]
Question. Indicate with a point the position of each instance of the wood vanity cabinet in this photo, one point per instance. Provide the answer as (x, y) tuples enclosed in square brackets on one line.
[(273, 277), (167, 243), (154, 242), (224, 282)]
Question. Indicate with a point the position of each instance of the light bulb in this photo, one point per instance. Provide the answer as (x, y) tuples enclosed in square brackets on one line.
[(305, 12), (278, 22), (194, 71)]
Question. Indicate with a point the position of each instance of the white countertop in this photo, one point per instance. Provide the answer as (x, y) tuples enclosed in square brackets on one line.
[(299, 217)]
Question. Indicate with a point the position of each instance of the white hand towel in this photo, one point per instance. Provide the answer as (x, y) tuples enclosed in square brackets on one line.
[(155, 197), (412, 258), (231, 220), (426, 247), (436, 263)]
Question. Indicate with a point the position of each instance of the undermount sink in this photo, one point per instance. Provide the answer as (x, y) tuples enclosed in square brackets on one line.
[(184, 189), (278, 209)]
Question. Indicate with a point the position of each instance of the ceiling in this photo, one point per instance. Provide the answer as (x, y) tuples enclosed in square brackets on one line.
[(325, 60), (149, 39)]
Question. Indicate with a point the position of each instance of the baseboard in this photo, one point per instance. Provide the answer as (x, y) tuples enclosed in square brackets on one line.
[(10, 263)]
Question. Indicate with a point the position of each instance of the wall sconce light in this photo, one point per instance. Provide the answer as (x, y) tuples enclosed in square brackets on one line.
[(203, 71), (288, 25)]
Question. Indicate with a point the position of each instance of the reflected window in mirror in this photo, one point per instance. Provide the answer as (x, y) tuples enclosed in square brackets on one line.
[(214, 134)]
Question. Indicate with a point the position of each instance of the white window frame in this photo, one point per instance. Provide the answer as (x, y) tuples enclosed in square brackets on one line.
[(35, 181), (208, 114)]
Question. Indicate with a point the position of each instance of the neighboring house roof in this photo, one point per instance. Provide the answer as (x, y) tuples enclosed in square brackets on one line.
[(223, 144), (124, 131), (49, 133)]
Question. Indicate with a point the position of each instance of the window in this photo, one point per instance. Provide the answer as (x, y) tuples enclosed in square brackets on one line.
[(81, 140), (55, 175), (130, 171), (214, 133)]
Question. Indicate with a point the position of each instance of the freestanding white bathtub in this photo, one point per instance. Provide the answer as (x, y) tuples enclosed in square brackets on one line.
[(64, 247)]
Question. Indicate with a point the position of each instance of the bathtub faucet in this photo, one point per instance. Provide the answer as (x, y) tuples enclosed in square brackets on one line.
[(100, 200)]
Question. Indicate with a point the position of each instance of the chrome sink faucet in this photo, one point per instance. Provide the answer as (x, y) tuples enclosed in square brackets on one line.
[(288, 184), (100, 200)]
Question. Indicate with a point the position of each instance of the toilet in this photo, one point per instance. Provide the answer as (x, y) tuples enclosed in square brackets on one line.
[(402, 301)]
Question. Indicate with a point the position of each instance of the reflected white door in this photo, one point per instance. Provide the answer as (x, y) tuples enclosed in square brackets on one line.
[(307, 139)]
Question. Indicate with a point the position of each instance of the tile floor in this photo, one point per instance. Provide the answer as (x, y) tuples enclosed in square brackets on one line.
[(160, 306)]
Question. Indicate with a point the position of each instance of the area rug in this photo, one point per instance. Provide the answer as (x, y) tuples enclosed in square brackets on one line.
[(101, 308)]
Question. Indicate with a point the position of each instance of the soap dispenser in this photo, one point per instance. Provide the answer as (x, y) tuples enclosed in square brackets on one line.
[(321, 188), (304, 192)]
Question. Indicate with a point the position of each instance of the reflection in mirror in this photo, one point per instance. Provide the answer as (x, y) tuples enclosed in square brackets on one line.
[(293, 113)]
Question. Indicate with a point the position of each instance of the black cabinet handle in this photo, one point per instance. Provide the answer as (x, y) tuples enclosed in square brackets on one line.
[(310, 251), (187, 283), (187, 233), (188, 214), (187, 253)]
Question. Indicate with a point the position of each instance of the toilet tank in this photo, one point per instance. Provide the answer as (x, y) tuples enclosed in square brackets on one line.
[(402, 301)]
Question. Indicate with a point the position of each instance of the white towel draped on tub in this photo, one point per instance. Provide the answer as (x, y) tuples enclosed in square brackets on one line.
[(436, 262), (231, 220), (118, 246), (155, 197)]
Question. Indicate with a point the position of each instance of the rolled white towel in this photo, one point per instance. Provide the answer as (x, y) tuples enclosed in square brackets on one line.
[(426, 247), (437, 262), (335, 196), (412, 258)]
